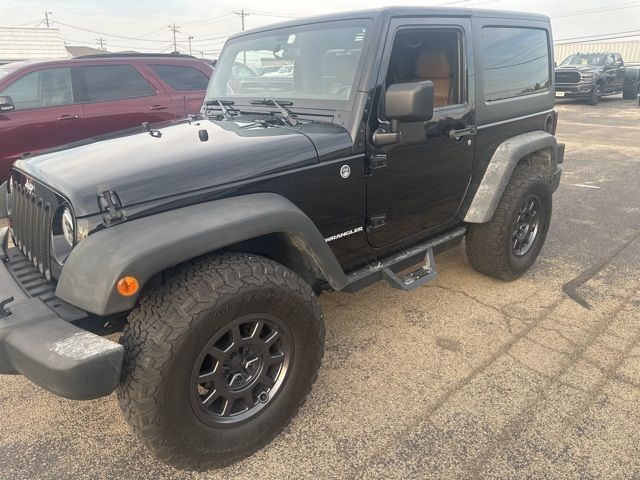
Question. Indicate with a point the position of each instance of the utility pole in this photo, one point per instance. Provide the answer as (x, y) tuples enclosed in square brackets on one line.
[(201, 53), (102, 42), (46, 18), (242, 14), (174, 29), (190, 38)]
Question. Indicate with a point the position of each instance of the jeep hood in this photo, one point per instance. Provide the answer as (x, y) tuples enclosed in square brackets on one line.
[(188, 157)]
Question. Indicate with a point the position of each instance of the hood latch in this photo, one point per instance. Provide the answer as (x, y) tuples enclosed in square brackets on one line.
[(110, 204)]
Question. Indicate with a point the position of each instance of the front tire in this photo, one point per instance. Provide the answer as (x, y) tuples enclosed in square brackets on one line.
[(507, 246), (219, 358), (596, 93)]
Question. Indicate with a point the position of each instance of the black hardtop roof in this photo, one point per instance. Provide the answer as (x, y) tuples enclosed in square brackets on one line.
[(389, 12)]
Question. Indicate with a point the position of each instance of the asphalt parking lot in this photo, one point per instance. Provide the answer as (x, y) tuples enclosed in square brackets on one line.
[(467, 377)]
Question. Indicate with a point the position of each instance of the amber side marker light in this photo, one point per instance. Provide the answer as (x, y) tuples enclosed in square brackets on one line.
[(128, 286)]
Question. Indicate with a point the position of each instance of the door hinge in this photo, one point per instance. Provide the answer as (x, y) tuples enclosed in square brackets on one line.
[(376, 162), (376, 221), (111, 205)]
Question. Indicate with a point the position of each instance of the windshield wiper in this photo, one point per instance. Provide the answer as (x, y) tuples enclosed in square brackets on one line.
[(286, 113), (225, 105)]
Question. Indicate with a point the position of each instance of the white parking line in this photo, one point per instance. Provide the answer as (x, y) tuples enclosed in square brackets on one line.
[(582, 185)]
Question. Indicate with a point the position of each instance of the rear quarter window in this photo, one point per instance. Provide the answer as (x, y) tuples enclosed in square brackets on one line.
[(115, 82), (180, 77), (515, 62)]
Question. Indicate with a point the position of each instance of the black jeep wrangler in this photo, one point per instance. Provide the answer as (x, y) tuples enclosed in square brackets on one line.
[(384, 137)]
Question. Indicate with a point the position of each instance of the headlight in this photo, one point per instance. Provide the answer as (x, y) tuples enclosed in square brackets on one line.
[(587, 76), (62, 234), (67, 226)]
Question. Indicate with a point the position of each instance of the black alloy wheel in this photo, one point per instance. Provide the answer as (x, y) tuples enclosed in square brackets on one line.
[(241, 369), (596, 94), (526, 227)]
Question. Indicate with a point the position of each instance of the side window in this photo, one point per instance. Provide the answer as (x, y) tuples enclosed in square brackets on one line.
[(610, 59), (181, 78), (429, 54), (515, 62), (115, 82), (41, 89)]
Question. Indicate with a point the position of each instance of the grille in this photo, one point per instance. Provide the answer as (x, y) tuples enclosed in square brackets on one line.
[(567, 77), (31, 224)]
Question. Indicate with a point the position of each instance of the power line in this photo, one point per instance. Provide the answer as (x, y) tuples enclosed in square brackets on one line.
[(598, 10), (110, 34), (209, 20), (562, 42), (602, 36), (274, 15), (30, 23), (220, 37)]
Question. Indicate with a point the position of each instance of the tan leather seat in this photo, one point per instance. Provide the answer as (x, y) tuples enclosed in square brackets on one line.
[(434, 65)]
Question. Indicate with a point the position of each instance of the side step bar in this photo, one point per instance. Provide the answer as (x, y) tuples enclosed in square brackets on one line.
[(384, 269), (414, 279)]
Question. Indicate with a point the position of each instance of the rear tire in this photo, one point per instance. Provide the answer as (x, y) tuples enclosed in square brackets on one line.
[(630, 94), (499, 248), (235, 327)]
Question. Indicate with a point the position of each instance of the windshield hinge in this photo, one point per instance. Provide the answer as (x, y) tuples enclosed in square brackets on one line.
[(110, 204), (376, 162)]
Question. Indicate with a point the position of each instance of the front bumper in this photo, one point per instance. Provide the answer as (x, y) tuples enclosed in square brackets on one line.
[(574, 90), (51, 352)]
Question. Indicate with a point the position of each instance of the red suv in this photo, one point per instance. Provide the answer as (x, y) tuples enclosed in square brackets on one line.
[(45, 104)]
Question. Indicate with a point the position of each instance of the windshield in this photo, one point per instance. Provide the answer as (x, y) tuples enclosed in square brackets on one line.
[(304, 64), (591, 59)]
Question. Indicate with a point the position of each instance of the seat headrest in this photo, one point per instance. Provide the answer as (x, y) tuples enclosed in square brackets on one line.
[(433, 65)]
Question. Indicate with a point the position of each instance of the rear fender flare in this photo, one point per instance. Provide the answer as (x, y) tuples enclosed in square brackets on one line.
[(502, 164)]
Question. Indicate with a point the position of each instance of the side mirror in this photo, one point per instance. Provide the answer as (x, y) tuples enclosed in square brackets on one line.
[(409, 102), (405, 102), (6, 104)]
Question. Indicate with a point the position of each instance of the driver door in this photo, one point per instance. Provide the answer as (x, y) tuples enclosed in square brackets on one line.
[(417, 184)]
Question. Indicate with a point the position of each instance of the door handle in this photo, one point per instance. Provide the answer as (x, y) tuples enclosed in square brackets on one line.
[(158, 107), (68, 117), (458, 134)]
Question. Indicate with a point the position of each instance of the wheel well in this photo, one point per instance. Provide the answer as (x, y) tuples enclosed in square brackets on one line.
[(280, 247), (287, 250), (541, 160)]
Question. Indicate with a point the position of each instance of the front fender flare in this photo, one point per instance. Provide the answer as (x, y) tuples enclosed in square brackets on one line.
[(146, 246), (501, 166)]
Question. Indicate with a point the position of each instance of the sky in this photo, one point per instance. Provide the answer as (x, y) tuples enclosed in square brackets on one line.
[(143, 25)]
